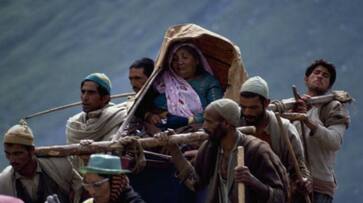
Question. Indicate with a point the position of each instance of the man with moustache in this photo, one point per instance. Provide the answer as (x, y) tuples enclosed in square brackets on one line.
[(324, 128), (32, 179), (139, 71), (216, 175), (254, 99), (100, 119)]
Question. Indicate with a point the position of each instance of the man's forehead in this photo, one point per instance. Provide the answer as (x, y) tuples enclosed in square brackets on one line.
[(249, 100), (14, 147), (137, 71), (211, 113), (322, 69), (89, 85)]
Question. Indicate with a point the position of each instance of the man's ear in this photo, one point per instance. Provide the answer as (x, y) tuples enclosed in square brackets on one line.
[(31, 150), (266, 103), (106, 99), (305, 79), (226, 125)]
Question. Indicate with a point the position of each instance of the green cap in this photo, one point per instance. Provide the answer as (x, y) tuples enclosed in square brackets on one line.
[(104, 164), (101, 79)]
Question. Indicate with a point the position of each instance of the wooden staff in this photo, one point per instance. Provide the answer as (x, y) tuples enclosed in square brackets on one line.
[(73, 105), (241, 162), (118, 145), (292, 153)]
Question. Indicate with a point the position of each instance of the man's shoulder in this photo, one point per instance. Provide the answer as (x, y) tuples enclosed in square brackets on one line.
[(75, 117), (7, 172), (6, 177), (274, 122), (334, 112), (60, 163), (255, 145)]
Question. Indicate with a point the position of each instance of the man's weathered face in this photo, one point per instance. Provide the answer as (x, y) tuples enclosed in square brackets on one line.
[(252, 109), (18, 155), (213, 125), (91, 98), (137, 78), (319, 80)]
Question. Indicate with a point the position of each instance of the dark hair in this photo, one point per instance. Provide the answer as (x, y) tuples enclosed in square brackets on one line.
[(101, 90), (325, 64), (144, 63), (253, 95)]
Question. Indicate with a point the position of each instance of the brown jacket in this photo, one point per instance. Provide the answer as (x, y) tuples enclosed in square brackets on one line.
[(261, 161)]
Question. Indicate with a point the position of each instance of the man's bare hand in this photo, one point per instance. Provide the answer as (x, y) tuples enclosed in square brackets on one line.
[(242, 174), (86, 142), (170, 148), (154, 119)]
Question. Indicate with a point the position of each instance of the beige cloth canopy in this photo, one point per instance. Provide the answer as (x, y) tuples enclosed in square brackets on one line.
[(222, 55)]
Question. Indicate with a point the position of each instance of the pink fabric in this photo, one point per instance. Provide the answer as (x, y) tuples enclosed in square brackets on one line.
[(8, 199), (182, 100)]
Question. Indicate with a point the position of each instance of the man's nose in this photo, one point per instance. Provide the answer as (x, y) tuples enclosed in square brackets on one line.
[(204, 125), (10, 158), (84, 96), (321, 75), (247, 111)]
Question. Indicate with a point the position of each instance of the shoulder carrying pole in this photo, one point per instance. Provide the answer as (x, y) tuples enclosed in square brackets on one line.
[(291, 151), (73, 105), (118, 145)]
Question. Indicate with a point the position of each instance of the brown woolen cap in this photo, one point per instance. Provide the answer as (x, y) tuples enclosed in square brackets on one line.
[(19, 134)]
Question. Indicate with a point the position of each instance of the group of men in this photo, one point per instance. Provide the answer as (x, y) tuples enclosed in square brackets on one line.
[(33, 179), (277, 166)]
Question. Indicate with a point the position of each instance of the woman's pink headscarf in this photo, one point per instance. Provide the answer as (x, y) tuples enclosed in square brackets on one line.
[(182, 100)]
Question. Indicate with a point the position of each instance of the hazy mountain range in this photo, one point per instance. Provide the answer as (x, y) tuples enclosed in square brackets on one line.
[(47, 47)]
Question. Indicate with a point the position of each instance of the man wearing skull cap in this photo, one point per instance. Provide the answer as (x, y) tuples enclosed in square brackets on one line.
[(254, 99), (31, 178), (215, 174), (100, 119)]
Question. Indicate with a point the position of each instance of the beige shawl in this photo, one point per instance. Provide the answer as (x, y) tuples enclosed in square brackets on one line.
[(101, 124)]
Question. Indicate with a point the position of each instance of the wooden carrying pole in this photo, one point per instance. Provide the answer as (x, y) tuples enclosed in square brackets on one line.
[(287, 104), (241, 162), (73, 105), (292, 153), (118, 145)]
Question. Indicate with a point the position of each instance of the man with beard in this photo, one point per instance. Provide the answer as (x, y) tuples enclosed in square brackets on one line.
[(254, 100), (324, 126), (32, 179), (216, 175)]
